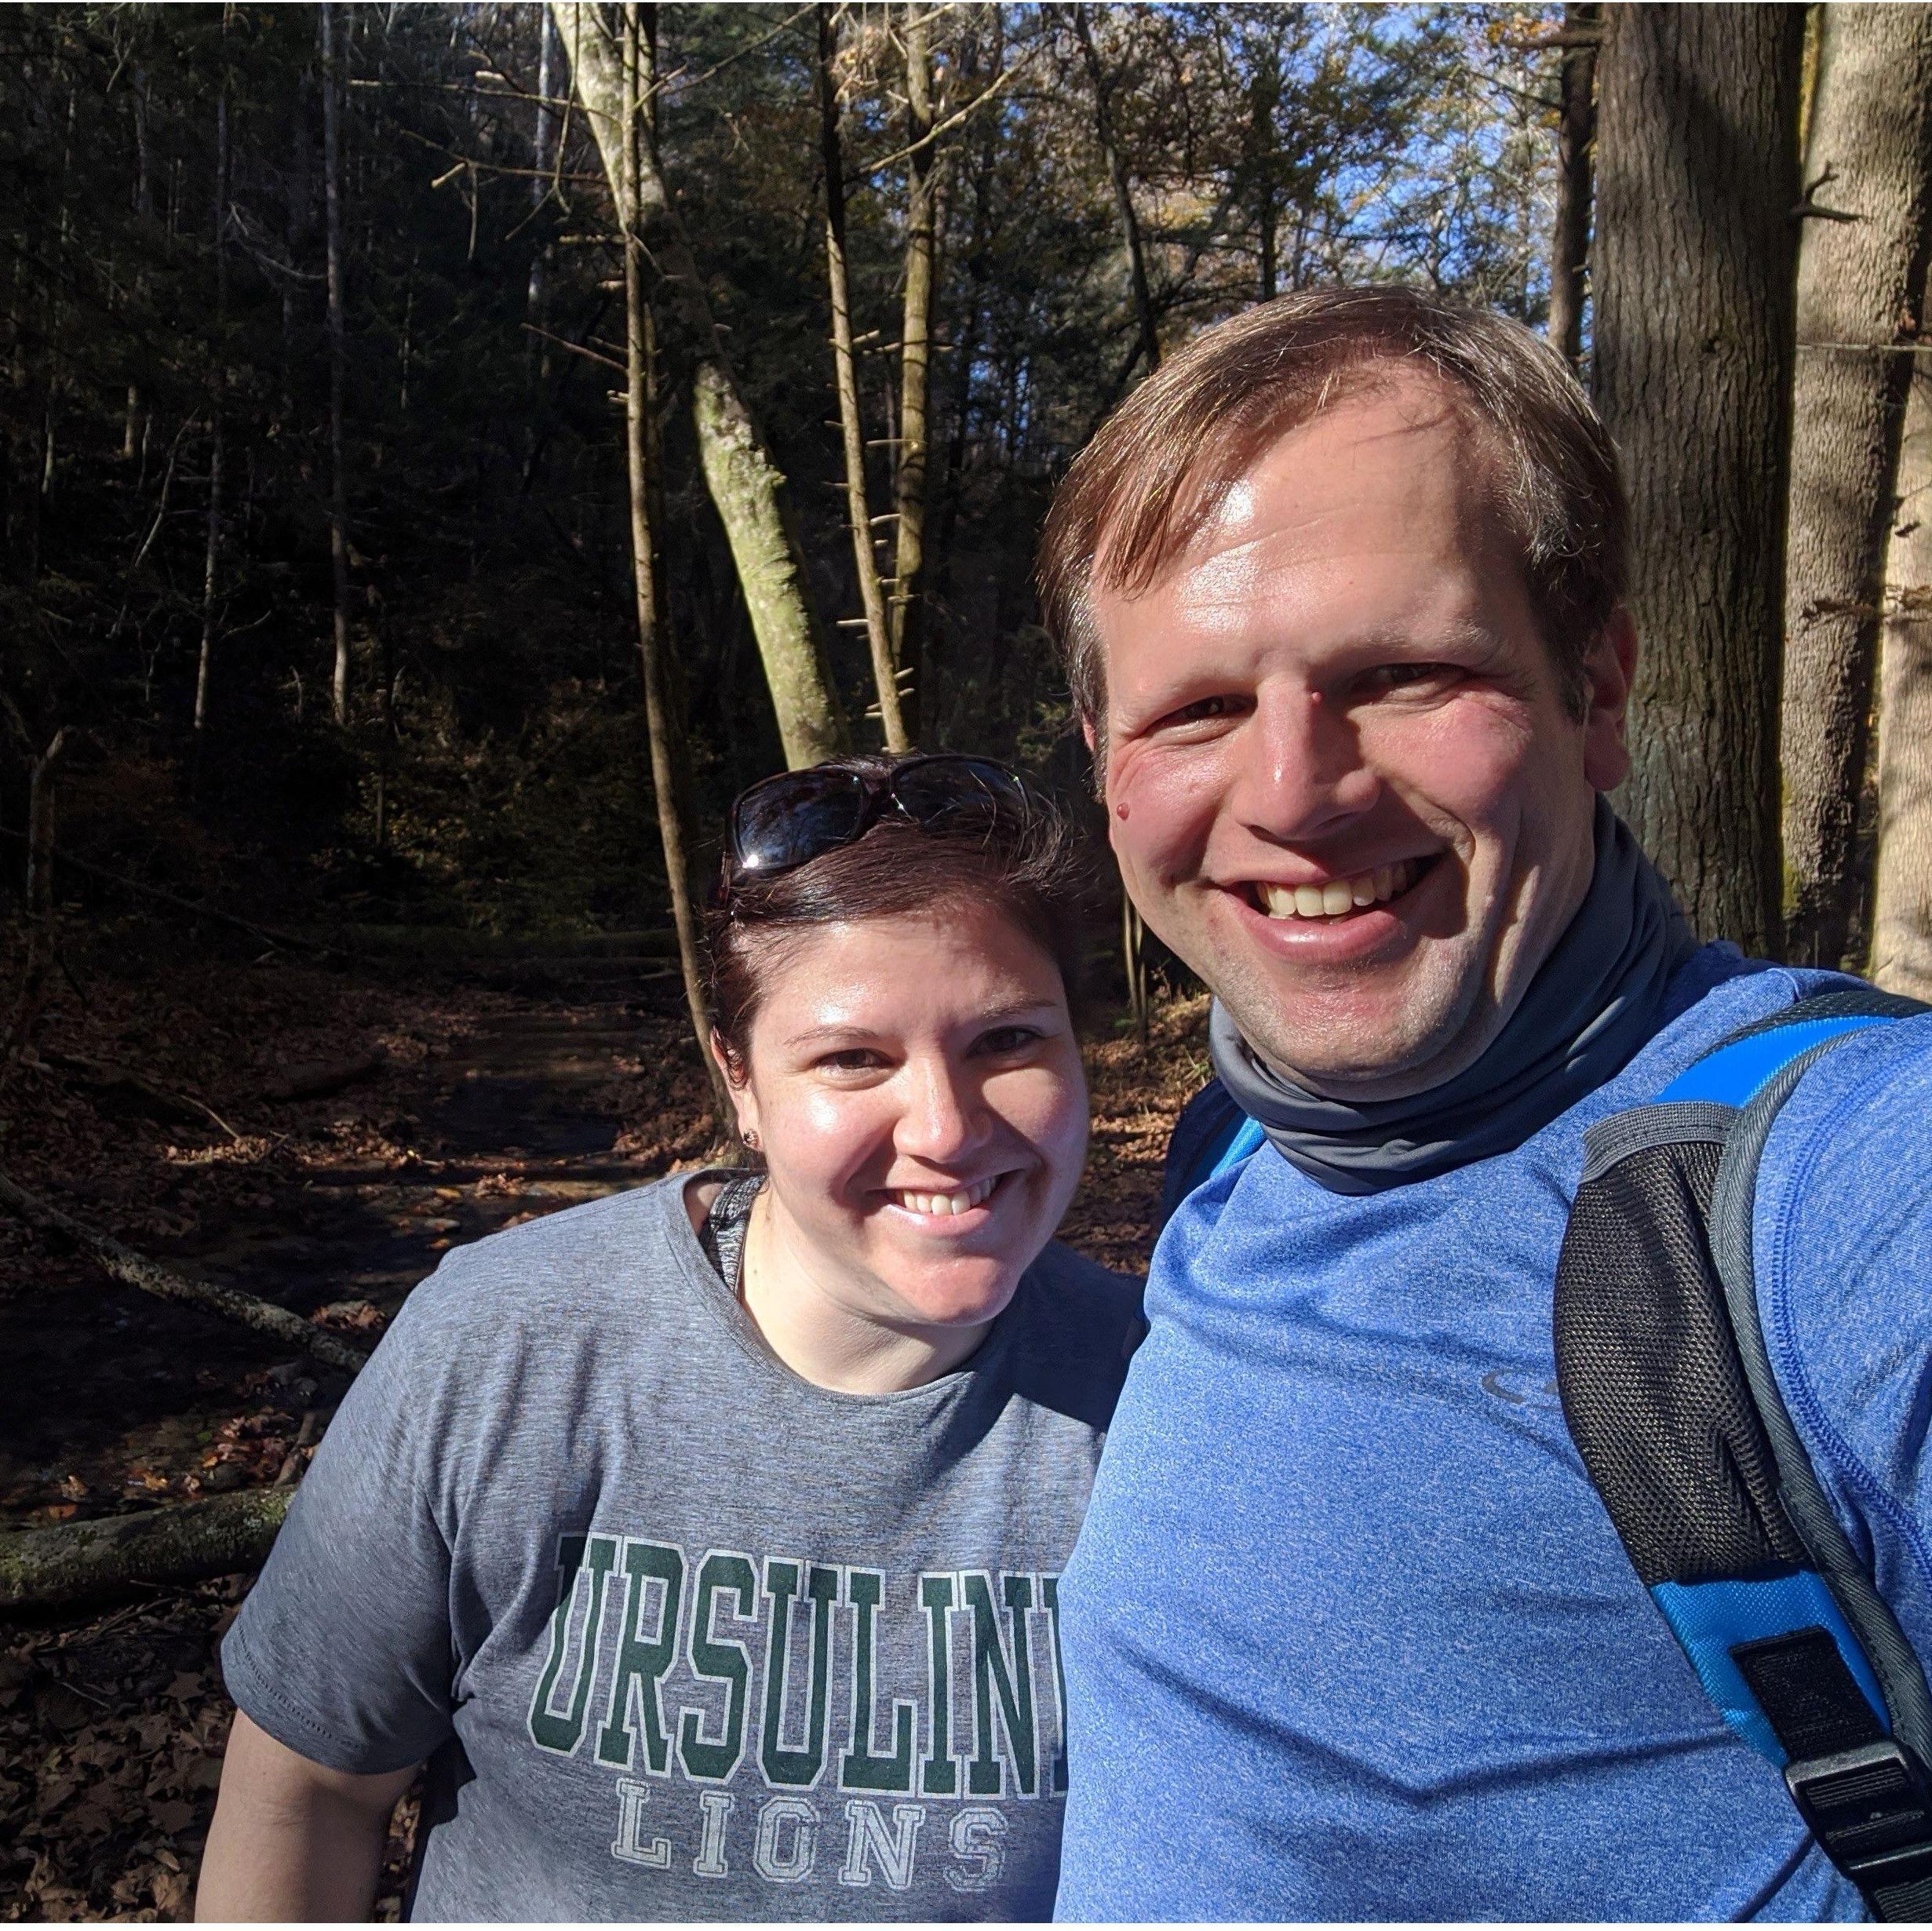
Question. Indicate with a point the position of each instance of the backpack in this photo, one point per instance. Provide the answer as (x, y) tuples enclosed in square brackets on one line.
[(1668, 1393)]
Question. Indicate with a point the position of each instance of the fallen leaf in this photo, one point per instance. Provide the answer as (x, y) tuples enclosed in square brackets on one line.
[(172, 1815)]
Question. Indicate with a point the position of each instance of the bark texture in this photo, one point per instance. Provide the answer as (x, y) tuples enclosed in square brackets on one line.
[(92, 1562), (857, 511), (1696, 176), (1901, 937), (1858, 285), (1576, 135), (670, 781), (909, 474), (333, 52), (745, 484)]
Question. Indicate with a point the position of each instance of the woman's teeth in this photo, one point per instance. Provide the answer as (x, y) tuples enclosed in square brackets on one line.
[(1339, 894), (954, 1202)]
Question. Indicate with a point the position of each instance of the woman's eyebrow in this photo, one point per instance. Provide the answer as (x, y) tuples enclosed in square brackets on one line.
[(847, 1031)]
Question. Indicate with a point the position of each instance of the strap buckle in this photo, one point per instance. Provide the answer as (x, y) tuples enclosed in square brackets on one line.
[(1870, 1811)]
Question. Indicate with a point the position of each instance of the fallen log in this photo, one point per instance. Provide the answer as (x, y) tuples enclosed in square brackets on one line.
[(136, 1270), (164, 1102), (311, 1082), (78, 1562)]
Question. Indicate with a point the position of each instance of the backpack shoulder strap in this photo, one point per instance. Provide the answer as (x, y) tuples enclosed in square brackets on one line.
[(1668, 1391)]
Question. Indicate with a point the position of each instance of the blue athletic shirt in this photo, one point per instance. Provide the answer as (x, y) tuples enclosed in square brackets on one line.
[(1348, 1633)]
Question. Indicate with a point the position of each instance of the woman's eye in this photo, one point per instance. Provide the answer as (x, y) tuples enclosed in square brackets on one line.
[(1009, 1039), (853, 1060)]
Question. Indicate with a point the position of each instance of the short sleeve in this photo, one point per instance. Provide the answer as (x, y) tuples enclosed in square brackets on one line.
[(1842, 1247), (342, 1650)]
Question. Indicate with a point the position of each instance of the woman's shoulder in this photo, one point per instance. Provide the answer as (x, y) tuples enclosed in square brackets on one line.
[(579, 1258)]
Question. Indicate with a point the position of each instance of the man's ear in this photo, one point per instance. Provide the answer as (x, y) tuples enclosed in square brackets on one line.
[(1607, 673)]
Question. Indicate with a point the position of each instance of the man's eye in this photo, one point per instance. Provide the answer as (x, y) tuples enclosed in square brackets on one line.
[(1203, 710), (1399, 676)]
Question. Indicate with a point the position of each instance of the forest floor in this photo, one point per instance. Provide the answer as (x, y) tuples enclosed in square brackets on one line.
[(495, 1099)]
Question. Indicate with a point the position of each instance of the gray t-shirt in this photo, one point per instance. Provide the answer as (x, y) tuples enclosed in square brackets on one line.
[(684, 1635)]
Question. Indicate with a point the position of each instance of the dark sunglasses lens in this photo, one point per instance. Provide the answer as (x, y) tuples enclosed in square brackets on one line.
[(792, 820), (959, 794)]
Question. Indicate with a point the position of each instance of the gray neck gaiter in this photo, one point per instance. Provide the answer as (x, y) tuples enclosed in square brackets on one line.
[(1594, 1001)]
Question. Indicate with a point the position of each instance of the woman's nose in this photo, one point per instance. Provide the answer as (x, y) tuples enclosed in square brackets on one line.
[(942, 1117)]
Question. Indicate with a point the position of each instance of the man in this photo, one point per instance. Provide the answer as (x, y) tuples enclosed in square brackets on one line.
[(1348, 1633)]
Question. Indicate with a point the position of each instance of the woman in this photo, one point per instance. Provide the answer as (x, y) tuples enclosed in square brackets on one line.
[(706, 1539)]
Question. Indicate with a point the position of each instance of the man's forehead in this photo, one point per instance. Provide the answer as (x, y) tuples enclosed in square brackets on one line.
[(1366, 435)]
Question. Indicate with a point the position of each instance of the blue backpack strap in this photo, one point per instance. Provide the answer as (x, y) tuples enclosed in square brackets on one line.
[(1668, 1390), (1212, 1135)]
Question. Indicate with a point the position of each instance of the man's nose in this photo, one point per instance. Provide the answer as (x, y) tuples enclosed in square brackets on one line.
[(1301, 771), (944, 1117)]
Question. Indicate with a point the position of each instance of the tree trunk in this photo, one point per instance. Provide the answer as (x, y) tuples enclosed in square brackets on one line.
[(1858, 283), (1123, 191), (911, 473), (40, 934), (332, 91), (745, 484), (211, 552), (669, 782), (1133, 935), (1569, 242), (136, 1270), (1265, 98), (857, 511), (1696, 176), (42, 1569), (1901, 938), (134, 431)]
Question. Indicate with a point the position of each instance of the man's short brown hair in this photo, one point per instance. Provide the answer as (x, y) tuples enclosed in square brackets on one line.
[(1160, 466)]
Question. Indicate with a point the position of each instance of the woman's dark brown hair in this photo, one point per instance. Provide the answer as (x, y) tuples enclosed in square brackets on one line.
[(1029, 868)]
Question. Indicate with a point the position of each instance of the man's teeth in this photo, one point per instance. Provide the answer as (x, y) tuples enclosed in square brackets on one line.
[(954, 1202), (1339, 894)]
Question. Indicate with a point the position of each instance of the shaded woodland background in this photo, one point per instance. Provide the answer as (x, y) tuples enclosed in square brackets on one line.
[(449, 450)]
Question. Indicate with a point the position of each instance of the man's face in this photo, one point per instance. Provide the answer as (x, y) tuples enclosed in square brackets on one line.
[(1341, 780)]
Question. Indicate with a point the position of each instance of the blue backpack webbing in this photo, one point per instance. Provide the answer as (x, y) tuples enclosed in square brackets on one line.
[(1669, 1395)]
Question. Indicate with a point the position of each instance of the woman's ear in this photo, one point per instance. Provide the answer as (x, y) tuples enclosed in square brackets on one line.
[(737, 1084)]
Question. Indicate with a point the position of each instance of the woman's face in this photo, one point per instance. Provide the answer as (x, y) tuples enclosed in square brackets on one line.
[(916, 1088)]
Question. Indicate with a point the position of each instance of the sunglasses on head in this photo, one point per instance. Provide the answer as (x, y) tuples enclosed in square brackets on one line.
[(788, 821)]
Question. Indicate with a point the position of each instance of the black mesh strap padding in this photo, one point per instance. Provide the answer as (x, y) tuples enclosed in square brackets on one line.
[(1648, 1374), (1858, 1002), (1811, 1700)]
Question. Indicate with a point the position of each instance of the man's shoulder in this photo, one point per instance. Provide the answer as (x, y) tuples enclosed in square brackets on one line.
[(1717, 992)]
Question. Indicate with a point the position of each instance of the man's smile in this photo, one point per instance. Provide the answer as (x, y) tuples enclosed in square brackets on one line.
[(1338, 895)]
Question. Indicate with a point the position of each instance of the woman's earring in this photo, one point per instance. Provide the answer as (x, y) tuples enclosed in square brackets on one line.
[(750, 1139)]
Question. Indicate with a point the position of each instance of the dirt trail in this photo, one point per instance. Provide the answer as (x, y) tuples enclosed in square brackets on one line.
[(521, 1119)]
